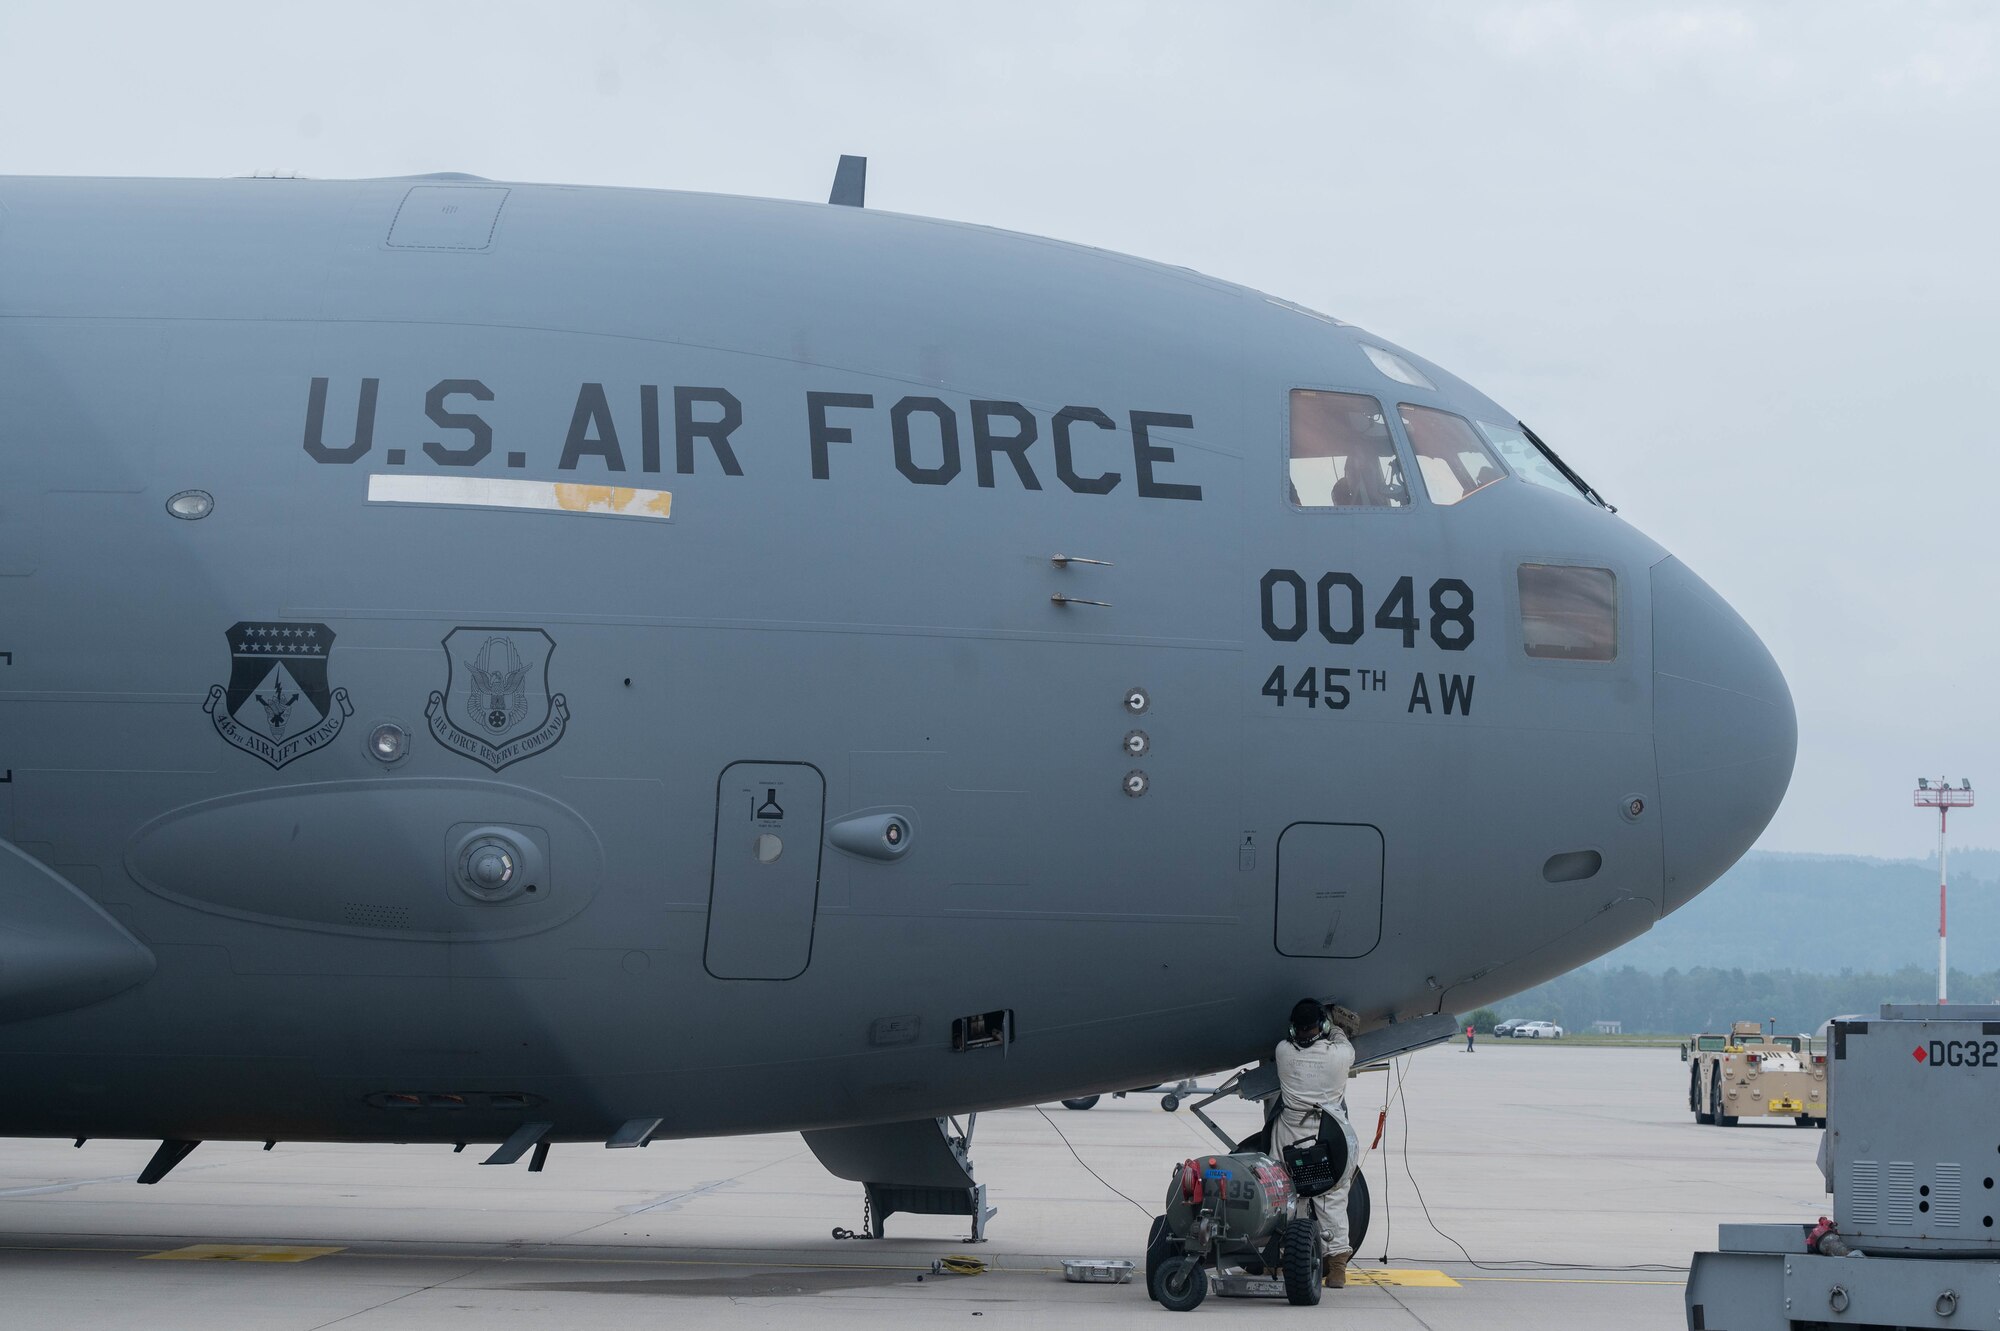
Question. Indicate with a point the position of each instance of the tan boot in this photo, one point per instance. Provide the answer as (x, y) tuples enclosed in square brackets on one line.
[(1334, 1270)]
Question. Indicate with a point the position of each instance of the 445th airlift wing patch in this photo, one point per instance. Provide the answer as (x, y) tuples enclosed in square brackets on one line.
[(278, 705)]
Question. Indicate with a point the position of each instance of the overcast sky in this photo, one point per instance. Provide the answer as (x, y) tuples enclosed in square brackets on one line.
[(1735, 262)]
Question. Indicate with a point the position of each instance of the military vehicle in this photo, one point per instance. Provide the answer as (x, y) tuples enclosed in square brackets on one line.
[(495, 662), (1748, 1074)]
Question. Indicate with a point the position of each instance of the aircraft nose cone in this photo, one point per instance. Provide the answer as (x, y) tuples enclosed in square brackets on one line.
[(1724, 732)]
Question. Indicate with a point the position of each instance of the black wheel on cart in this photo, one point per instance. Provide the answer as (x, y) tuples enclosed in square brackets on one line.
[(1715, 1114), (1359, 1207), (1302, 1261), (1081, 1102), (1160, 1245), (1701, 1115), (1180, 1284)]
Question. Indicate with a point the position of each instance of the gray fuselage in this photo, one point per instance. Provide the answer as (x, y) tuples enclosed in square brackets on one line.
[(846, 613)]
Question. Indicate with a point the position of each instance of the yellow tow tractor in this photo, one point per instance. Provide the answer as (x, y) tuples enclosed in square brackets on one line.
[(1748, 1074)]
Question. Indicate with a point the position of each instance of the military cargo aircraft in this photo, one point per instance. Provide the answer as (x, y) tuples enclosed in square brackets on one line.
[(520, 663)]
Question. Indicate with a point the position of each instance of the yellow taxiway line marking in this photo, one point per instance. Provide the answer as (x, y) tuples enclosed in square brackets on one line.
[(1401, 1277), (238, 1252), (1568, 1280), (917, 1265)]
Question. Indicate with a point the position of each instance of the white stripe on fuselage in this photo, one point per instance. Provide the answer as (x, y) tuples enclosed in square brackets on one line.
[(543, 496)]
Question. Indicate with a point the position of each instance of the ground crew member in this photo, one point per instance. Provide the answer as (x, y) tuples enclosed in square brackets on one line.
[(1313, 1063), (1468, 1037)]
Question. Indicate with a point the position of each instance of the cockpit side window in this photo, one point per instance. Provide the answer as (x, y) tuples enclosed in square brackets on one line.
[(1342, 453), (1569, 613), (1451, 457)]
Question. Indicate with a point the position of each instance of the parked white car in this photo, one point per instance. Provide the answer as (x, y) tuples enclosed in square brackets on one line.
[(1538, 1030)]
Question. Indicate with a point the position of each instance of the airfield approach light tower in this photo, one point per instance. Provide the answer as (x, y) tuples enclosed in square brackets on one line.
[(1944, 799)]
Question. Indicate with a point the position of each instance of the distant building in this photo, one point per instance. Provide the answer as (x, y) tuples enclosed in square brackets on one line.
[(1607, 1027)]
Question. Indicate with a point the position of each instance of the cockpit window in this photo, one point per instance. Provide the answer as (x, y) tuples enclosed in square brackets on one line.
[(1569, 613), (1389, 363), (1451, 457), (1524, 459), (1537, 462), (1342, 453)]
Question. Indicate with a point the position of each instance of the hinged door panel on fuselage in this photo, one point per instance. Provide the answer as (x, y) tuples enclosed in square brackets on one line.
[(1329, 890), (764, 893)]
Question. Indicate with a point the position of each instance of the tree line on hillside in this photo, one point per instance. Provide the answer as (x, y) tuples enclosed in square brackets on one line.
[(1678, 1002), (1826, 913)]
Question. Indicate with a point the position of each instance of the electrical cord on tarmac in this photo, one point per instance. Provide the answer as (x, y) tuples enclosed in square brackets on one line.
[(1525, 1264), (1388, 1216), (1079, 1159)]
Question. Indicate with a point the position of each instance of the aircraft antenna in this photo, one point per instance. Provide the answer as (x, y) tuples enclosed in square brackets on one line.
[(1944, 799), (850, 182)]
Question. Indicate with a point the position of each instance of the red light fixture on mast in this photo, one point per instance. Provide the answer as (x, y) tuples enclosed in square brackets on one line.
[(1944, 798)]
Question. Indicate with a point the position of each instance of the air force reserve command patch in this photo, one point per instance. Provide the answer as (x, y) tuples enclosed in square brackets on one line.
[(496, 707), (276, 705)]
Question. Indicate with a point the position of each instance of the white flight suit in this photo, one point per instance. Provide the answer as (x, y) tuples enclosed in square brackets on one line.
[(1311, 1081)]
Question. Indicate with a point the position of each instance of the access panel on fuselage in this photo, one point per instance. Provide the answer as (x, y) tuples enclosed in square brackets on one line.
[(1329, 889), (764, 893)]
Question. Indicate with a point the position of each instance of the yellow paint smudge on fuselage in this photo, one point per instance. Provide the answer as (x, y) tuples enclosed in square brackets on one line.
[(582, 498)]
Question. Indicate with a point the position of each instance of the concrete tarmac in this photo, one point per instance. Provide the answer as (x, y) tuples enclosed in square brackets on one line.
[(1565, 1173)]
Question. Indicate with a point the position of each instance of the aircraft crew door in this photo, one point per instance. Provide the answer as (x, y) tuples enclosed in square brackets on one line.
[(764, 891), (1329, 889)]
